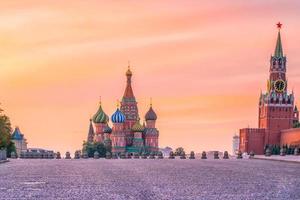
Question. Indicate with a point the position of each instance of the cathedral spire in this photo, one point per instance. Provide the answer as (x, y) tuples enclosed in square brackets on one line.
[(278, 50), (91, 133), (128, 94)]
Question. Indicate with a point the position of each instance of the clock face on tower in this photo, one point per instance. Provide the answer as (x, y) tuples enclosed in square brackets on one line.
[(279, 85)]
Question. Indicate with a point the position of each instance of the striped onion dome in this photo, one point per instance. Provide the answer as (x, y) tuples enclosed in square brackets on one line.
[(100, 116), (150, 115), (137, 127), (118, 117), (107, 129)]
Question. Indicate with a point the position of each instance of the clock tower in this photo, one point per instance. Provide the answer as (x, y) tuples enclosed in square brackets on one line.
[(276, 106)]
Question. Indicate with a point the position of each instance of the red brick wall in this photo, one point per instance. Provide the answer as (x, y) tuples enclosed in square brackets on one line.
[(275, 118), (290, 136), (252, 139)]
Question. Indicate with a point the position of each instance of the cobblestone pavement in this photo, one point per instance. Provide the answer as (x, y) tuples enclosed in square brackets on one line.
[(149, 179)]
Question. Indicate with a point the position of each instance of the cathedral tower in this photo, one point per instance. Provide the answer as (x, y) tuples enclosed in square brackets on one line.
[(129, 109), (118, 133), (91, 133), (100, 120), (151, 133)]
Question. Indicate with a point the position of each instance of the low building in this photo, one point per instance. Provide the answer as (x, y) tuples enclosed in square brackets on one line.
[(19, 140)]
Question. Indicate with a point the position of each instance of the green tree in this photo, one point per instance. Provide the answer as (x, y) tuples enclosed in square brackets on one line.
[(178, 151), (100, 148), (91, 148), (5, 134)]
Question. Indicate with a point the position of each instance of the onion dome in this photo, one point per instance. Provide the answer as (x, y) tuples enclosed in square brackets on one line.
[(100, 116), (150, 115), (107, 129), (17, 135), (128, 72), (118, 117), (137, 127)]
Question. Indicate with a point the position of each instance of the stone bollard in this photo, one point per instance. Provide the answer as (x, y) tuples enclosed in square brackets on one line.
[(160, 155), (203, 156), (136, 156), (239, 155), (122, 155), (296, 151), (96, 155), (251, 155), (58, 156), (68, 156), (77, 155), (13, 155), (192, 155), (114, 156), (268, 152), (182, 155), (282, 152), (216, 155), (152, 155), (108, 155), (226, 155), (144, 155), (171, 155)]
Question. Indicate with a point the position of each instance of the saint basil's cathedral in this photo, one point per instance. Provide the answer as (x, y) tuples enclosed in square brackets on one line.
[(278, 115), (127, 133)]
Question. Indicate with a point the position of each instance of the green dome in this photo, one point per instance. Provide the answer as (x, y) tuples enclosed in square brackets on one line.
[(100, 116), (137, 127)]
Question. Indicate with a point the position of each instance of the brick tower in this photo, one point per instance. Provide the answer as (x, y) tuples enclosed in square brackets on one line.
[(277, 113), (276, 106), (129, 109)]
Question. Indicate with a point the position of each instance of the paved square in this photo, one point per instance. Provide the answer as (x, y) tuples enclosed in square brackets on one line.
[(149, 179)]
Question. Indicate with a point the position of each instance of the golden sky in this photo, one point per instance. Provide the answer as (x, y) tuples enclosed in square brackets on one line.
[(203, 64)]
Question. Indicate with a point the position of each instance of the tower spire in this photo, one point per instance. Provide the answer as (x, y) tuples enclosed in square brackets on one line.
[(91, 133), (278, 49), (128, 91)]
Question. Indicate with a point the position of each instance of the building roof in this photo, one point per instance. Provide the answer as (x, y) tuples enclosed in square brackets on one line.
[(137, 127), (118, 117), (100, 116), (107, 129), (17, 135), (150, 115)]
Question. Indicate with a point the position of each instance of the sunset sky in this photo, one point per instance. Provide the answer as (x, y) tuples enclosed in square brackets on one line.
[(203, 64)]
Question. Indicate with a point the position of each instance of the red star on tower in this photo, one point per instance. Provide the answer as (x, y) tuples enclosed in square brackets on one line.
[(279, 25)]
